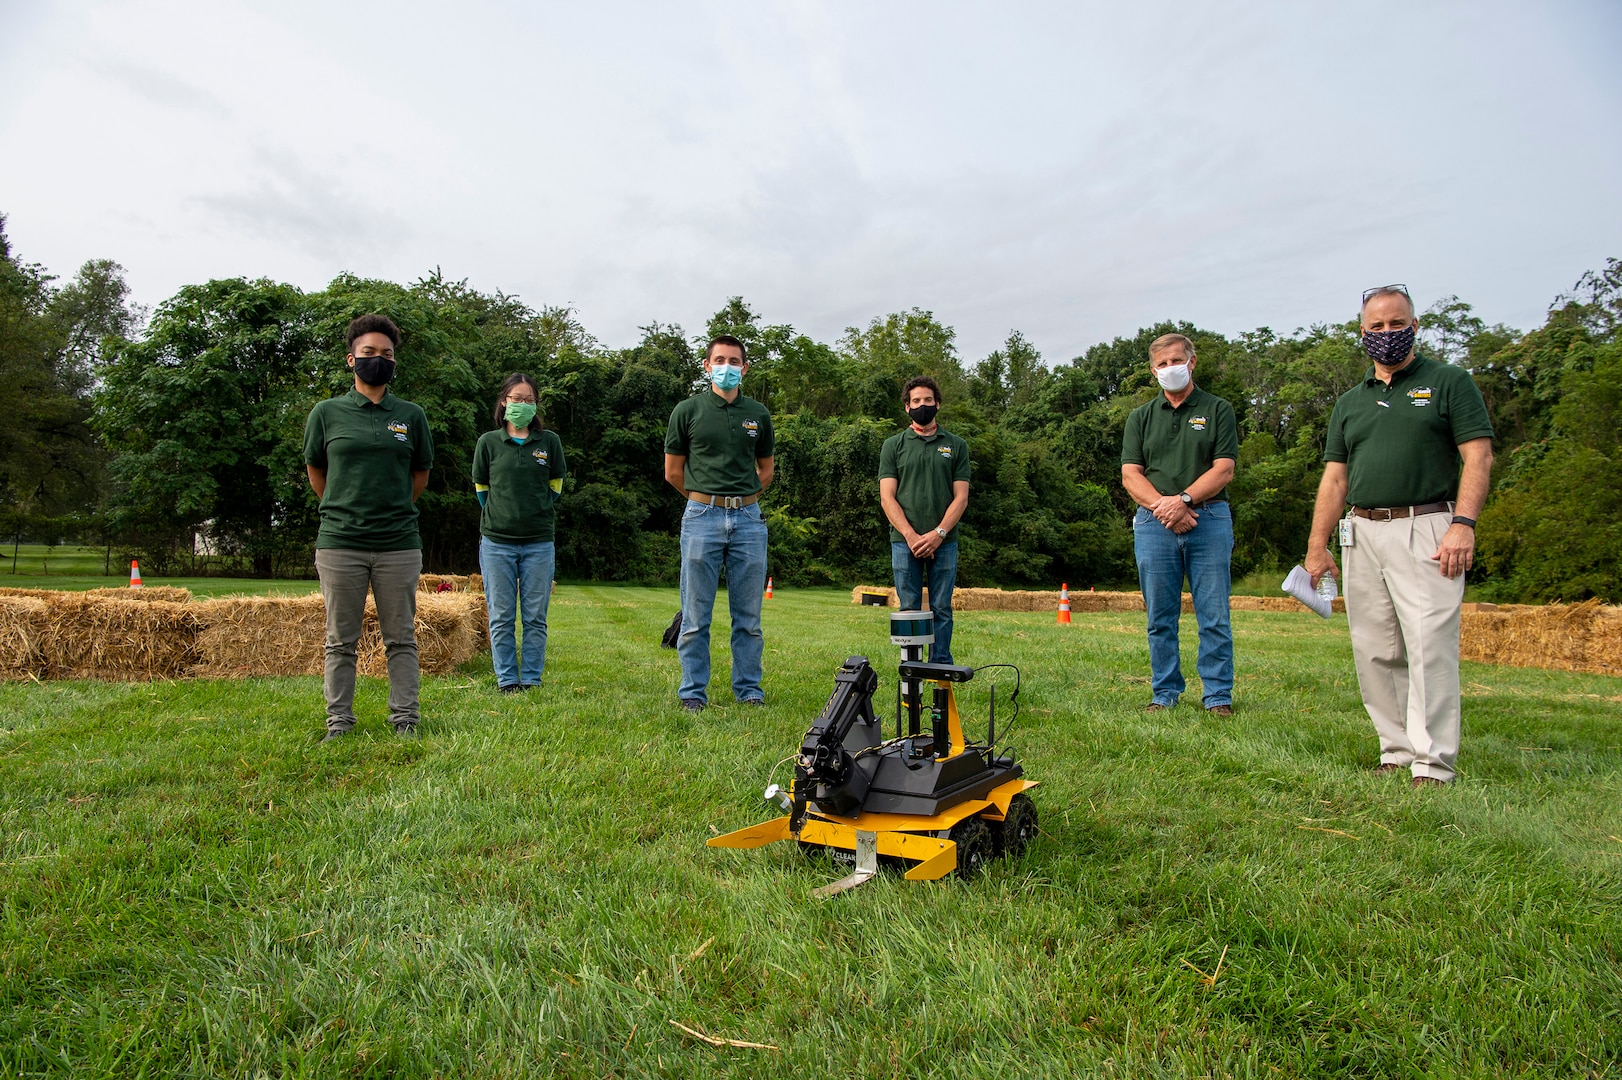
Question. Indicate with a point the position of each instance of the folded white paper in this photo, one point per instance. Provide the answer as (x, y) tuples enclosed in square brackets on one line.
[(1299, 585)]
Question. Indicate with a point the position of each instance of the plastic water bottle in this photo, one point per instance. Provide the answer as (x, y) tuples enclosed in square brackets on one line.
[(1327, 589)]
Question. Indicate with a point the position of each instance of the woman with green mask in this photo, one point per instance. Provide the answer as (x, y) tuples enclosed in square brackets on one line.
[(518, 472)]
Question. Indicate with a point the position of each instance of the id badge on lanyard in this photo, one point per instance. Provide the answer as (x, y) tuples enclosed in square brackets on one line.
[(1346, 530)]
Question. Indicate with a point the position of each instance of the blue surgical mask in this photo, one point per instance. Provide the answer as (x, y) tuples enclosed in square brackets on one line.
[(726, 376), (1389, 347)]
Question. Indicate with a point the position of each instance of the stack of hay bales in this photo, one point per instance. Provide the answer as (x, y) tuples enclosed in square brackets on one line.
[(1039, 600), (1568, 637), (1021, 599), (161, 633)]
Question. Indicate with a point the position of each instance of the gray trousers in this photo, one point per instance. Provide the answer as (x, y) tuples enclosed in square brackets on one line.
[(1404, 618), (392, 576)]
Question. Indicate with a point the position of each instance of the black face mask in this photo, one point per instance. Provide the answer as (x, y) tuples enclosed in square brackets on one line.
[(923, 414), (374, 370)]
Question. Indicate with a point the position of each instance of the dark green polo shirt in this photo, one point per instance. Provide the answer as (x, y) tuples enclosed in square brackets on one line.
[(721, 441), (1178, 446), (369, 452), (1401, 442), (518, 506), (924, 469)]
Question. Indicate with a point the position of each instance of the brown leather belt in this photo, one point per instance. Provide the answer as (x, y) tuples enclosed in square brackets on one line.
[(726, 502), (1392, 513)]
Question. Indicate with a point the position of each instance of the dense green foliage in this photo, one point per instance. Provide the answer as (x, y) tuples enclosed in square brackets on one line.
[(199, 420), (191, 885)]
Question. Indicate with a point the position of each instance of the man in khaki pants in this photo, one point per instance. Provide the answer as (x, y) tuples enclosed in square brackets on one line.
[(1410, 447)]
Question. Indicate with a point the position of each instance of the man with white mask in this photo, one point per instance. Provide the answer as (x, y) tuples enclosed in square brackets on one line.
[(719, 455), (1177, 457)]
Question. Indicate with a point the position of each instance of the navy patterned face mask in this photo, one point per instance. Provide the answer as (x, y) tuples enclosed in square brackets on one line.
[(1389, 347)]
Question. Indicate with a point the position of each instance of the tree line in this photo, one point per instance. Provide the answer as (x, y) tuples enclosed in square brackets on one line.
[(175, 436)]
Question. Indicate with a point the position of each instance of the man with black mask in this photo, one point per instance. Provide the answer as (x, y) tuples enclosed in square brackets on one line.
[(368, 454), (1410, 448), (924, 489)]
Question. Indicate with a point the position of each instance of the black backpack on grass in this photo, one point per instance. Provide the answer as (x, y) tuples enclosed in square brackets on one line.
[(672, 632)]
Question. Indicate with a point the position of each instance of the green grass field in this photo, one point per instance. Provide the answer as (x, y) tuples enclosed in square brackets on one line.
[(191, 886)]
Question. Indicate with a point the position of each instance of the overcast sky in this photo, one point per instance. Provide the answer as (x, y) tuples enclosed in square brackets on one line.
[(1071, 170)]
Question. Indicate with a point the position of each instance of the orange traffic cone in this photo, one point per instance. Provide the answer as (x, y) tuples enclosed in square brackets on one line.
[(1064, 604), (135, 574), (768, 588)]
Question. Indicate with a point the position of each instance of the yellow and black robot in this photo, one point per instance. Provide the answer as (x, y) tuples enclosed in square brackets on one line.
[(932, 798)]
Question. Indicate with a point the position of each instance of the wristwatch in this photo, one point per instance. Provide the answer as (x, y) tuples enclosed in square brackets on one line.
[(940, 532), (1188, 500)]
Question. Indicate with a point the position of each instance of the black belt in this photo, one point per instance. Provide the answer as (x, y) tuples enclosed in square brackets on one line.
[(726, 502), (1207, 502), (1392, 513)]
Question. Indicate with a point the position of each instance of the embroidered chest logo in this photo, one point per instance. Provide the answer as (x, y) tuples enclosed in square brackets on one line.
[(1420, 396), (539, 455), (1198, 422), (400, 429), (752, 428), (945, 452)]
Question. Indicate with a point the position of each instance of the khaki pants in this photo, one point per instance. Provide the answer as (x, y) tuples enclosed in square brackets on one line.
[(392, 575), (1404, 618)]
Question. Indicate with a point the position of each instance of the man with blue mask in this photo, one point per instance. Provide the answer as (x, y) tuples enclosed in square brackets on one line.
[(719, 455), (1177, 456), (1410, 449)]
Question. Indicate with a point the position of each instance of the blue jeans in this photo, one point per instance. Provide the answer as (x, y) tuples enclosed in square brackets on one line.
[(910, 574), (517, 582), (1202, 555), (712, 537)]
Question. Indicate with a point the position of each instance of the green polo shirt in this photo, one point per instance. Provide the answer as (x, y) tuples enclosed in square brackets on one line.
[(1401, 442), (369, 452), (721, 441), (1177, 446), (518, 507), (924, 468)]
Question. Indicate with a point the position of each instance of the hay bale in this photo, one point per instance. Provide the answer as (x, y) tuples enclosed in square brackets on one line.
[(33, 594), (120, 640), (447, 634), (249, 636), (173, 594), (22, 624), (1567, 637), (430, 583)]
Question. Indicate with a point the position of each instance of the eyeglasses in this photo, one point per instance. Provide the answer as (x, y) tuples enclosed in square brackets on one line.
[(1403, 289), (514, 399)]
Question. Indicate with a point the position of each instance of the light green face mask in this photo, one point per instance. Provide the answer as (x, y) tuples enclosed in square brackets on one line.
[(520, 413)]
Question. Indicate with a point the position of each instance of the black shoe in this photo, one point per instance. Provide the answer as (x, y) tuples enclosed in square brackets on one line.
[(756, 701), (692, 704), (405, 731), (510, 688), (333, 736)]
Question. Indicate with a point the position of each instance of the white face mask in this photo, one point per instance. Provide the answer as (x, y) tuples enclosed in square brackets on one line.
[(1173, 377)]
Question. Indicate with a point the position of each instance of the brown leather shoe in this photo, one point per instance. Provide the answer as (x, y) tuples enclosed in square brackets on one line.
[(1220, 710), (1428, 781), (1155, 706), (1386, 767)]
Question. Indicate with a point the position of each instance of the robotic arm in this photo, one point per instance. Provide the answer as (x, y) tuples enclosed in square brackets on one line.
[(825, 771)]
